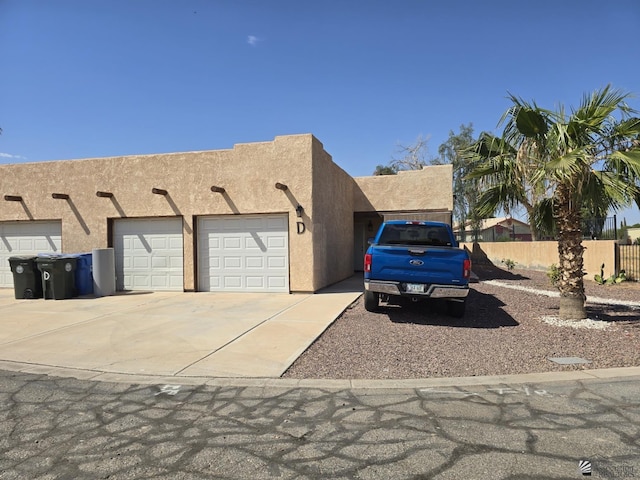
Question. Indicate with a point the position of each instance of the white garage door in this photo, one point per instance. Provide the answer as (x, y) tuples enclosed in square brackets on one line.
[(26, 238), (149, 254), (243, 253)]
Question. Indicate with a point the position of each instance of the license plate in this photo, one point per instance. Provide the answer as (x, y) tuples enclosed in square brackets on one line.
[(415, 288)]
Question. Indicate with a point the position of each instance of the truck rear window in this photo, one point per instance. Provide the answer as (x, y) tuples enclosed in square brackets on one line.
[(415, 235)]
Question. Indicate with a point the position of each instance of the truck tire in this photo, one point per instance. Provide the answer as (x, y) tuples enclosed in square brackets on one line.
[(456, 309), (370, 301)]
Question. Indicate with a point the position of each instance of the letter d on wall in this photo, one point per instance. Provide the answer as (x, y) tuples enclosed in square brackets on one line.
[(301, 227)]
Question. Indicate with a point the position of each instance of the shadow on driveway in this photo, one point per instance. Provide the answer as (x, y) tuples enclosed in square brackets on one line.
[(483, 311), (490, 272)]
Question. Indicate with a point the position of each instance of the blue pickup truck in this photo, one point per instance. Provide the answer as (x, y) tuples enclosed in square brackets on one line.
[(419, 260)]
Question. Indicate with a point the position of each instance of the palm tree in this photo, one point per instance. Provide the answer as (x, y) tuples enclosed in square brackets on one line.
[(588, 158), (509, 180)]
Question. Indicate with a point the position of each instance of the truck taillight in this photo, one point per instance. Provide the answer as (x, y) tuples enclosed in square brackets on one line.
[(466, 268), (367, 262)]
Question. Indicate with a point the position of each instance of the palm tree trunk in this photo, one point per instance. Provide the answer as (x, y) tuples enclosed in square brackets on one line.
[(570, 249)]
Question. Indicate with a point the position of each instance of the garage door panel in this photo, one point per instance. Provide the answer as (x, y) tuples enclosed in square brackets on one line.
[(231, 243), (275, 242), (149, 254), (255, 262), (141, 262), (161, 282), (45, 245), (160, 262), (250, 243), (249, 224), (231, 281), (138, 280), (276, 282), (255, 282), (159, 243), (276, 223), (25, 244), (276, 262), (232, 262), (234, 253), (26, 238)]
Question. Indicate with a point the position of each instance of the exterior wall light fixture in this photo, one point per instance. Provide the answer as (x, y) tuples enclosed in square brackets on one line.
[(60, 196), (281, 186), (159, 191), (217, 189), (299, 211), (13, 198), (104, 194)]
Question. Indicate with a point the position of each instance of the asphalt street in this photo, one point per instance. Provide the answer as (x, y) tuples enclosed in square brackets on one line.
[(65, 428)]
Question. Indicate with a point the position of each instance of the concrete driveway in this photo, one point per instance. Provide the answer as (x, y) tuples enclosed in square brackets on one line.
[(170, 333)]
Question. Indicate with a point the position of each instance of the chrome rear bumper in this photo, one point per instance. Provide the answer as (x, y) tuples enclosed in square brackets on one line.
[(434, 290)]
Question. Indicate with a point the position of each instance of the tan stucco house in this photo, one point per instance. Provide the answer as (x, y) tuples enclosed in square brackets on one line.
[(275, 216)]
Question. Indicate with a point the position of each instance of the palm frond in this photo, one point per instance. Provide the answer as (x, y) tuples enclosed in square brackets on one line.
[(596, 107), (627, 128), (608, 190), (542, 217), (569, 166), (500, 195), (531, 123), (625, 163)]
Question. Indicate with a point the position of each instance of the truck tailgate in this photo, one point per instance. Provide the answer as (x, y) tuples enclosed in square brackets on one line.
[(442, 265)]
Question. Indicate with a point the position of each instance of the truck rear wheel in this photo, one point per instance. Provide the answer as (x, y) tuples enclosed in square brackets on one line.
[(456, 309), (371, 300)]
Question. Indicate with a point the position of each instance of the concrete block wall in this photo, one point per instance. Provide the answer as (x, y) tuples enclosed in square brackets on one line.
[(540, 255)]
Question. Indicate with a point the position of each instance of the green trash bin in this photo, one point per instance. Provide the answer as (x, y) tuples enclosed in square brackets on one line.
[(27, 282), (58, 276)]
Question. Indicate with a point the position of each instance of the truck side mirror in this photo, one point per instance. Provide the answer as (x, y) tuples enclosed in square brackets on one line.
[(370, 241)]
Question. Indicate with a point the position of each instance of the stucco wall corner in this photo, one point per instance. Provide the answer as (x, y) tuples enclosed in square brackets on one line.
[(332, 220), (421, 190)]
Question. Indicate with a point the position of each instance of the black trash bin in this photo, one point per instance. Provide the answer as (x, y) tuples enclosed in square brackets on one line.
[(27, 282), (58, 276)]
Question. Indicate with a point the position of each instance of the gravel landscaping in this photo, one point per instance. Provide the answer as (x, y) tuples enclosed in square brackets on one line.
[(504, 331)]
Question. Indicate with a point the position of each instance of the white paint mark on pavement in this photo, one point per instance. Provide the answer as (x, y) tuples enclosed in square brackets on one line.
[(498, 390), (169, 389)]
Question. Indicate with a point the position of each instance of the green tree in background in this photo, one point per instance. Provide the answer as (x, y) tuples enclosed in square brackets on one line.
[(587, 158), (384, 170), (465, 191)]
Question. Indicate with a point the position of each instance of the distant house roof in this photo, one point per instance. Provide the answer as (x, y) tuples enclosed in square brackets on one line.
[(488, 223)]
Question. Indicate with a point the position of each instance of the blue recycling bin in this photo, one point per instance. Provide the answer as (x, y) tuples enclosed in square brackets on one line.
[(84, 273)]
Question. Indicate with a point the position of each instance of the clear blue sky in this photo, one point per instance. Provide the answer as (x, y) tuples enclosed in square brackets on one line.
[(97, 78)]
